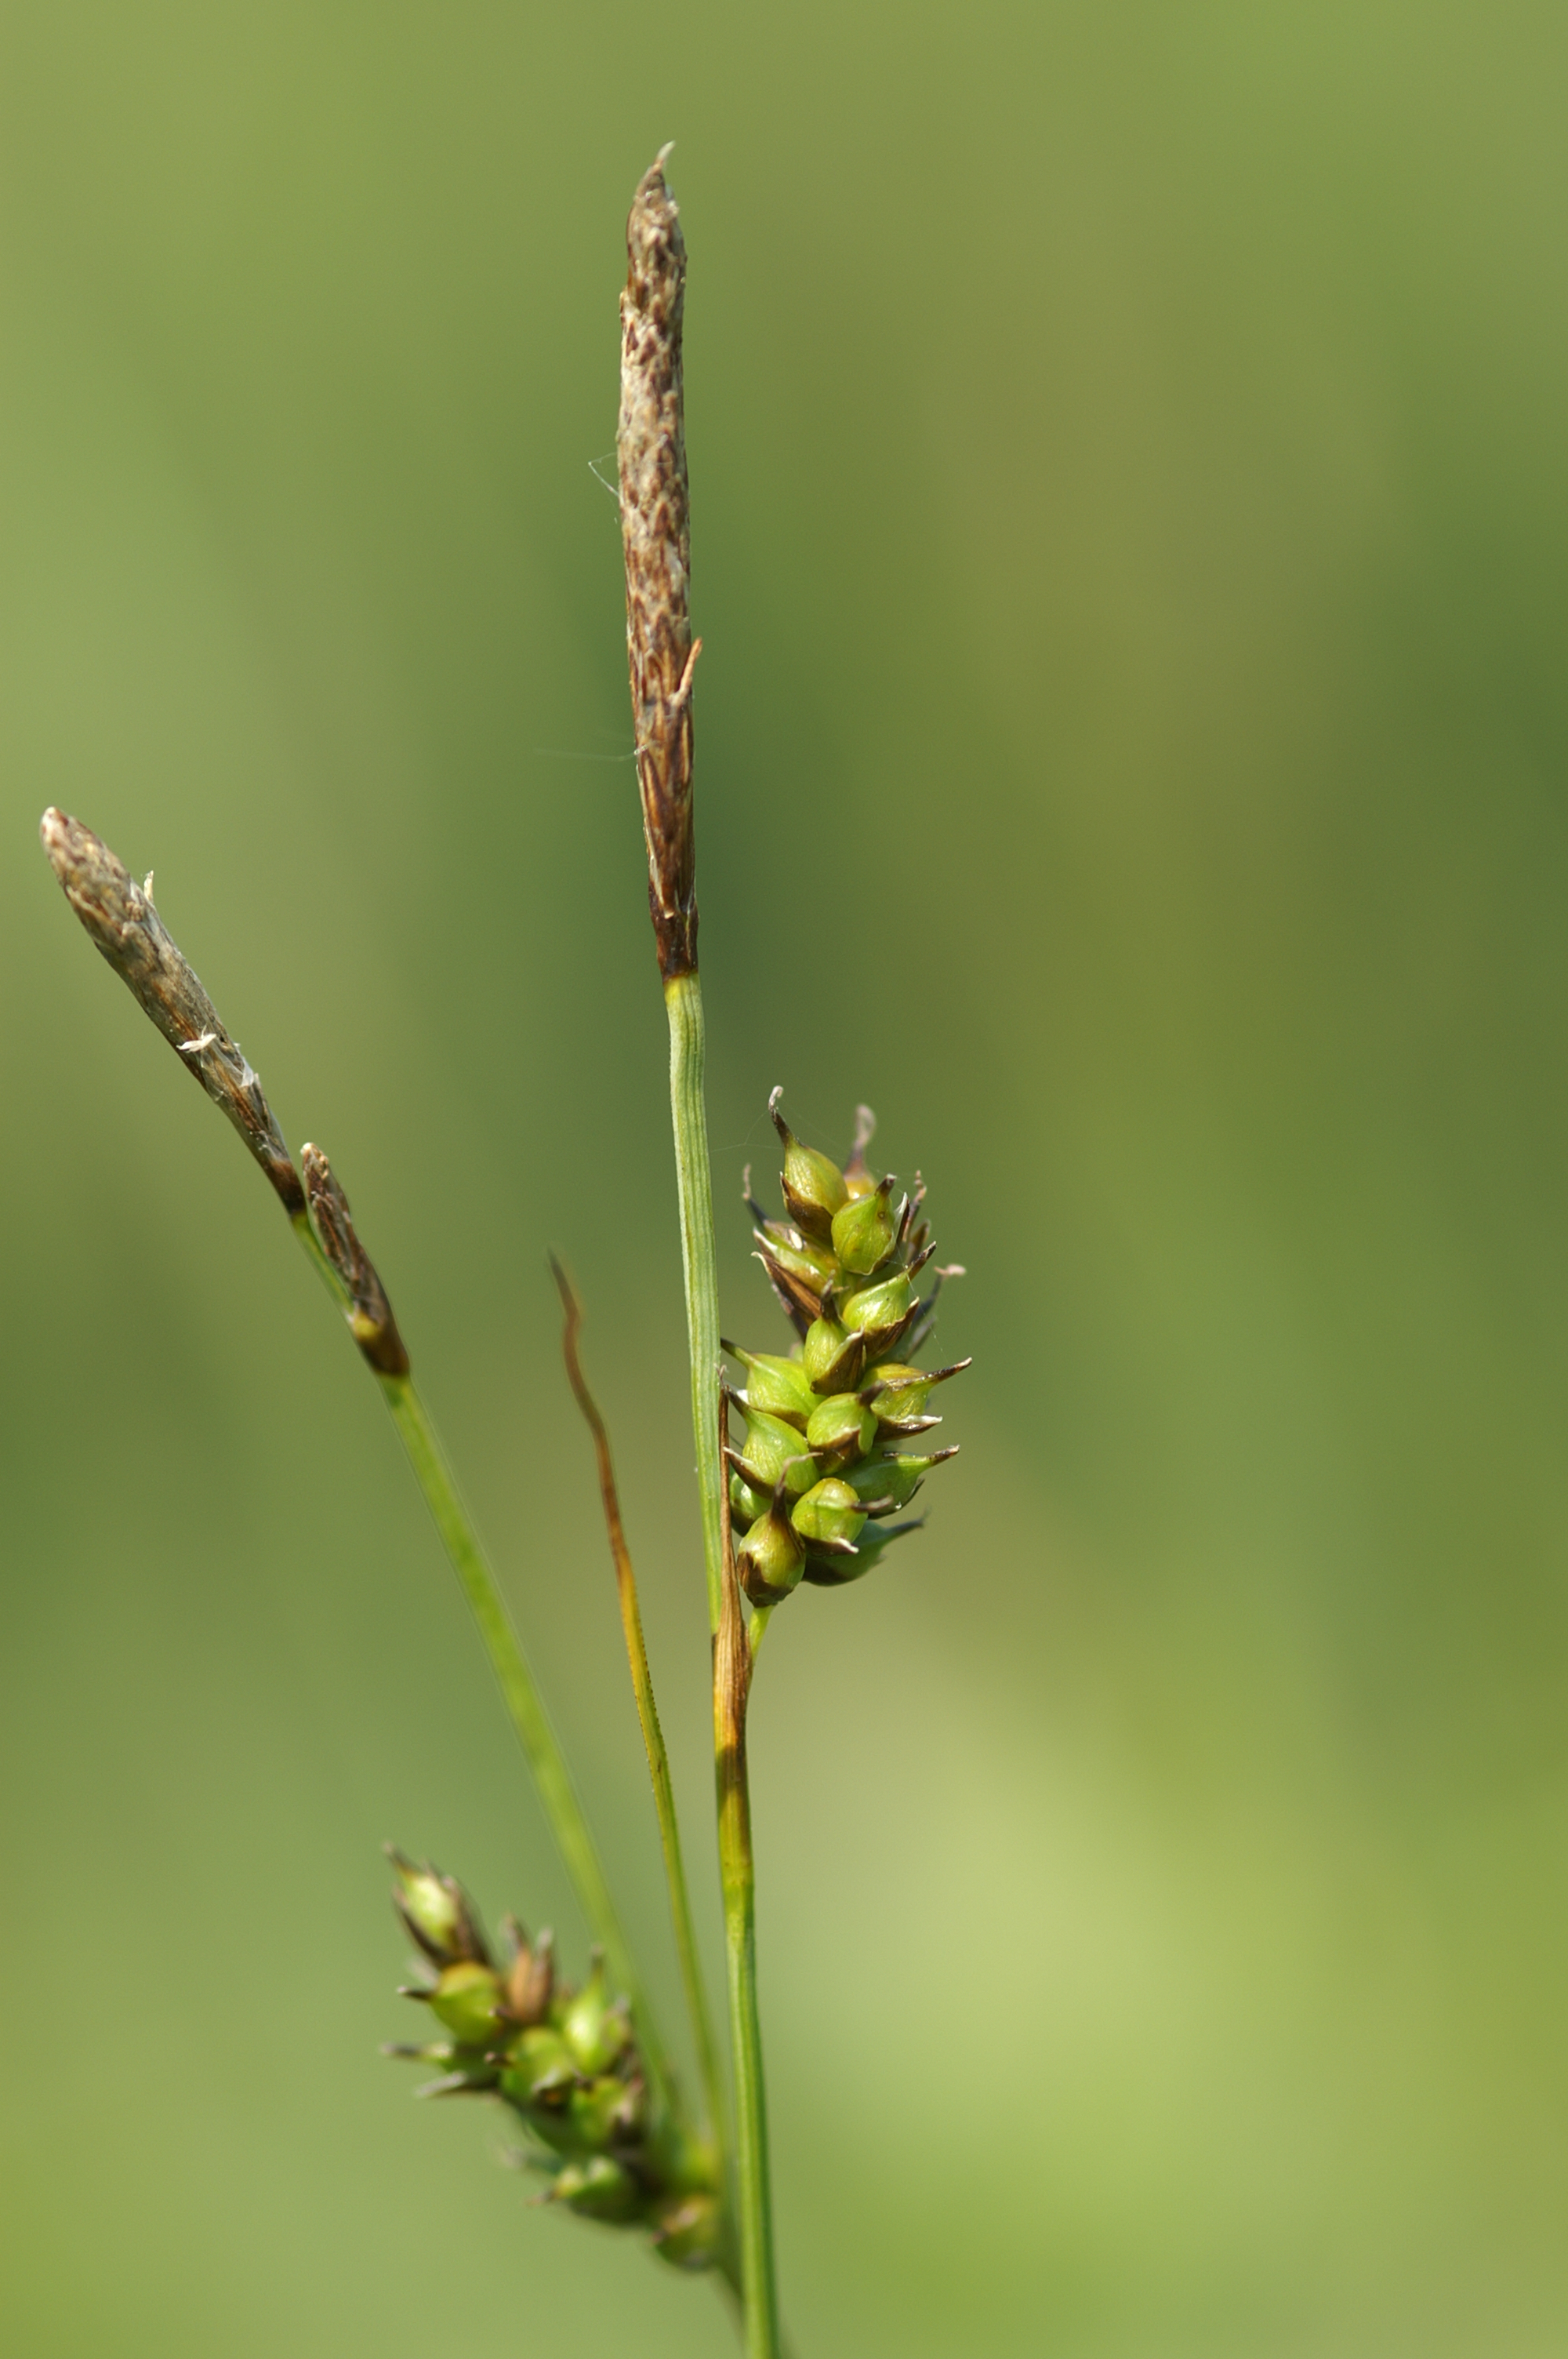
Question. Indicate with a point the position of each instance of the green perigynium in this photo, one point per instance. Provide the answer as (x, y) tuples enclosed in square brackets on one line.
[(565, 2063), (821, 1467)]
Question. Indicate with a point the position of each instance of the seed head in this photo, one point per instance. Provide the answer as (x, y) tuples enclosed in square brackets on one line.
[(567, 2065), (813, 1491)]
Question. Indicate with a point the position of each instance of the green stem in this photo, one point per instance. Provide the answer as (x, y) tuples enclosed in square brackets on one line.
[(751, 2104), (732, 1685), (731, 1666), (541, 1745), (683, 1002)]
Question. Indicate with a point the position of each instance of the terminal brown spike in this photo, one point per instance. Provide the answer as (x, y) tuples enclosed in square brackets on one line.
[(657, 539)]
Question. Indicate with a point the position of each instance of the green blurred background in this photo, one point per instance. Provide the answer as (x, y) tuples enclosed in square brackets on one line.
[(1130, 492)]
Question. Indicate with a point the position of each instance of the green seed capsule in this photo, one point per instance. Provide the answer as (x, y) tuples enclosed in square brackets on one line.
[(687, 2232), (834, 1571), (590, 2116), (881, 1312), (600, 2189), (893, 1478), (467, 1999), (907, 1389), (777, 1387), (829, 1512), (774, 1449), (866, 1230), (537, 2069), (436, 1911), (833, 1358), (814, 1264), (595, 2032), (769, 1558), (813, 1184), (840, 1430), (746, 1504)]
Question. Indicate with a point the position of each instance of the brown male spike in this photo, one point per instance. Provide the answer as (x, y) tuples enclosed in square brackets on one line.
[(655, 534)]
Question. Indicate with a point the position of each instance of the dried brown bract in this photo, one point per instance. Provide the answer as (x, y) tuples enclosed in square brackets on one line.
[(655, 534), (120, 917)]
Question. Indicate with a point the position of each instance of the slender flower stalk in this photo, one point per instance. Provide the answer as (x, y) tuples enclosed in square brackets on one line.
[(648, 1715), (661, 657)]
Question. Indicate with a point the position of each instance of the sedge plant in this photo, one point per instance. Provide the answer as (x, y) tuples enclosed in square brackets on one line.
[(810, 1488)]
